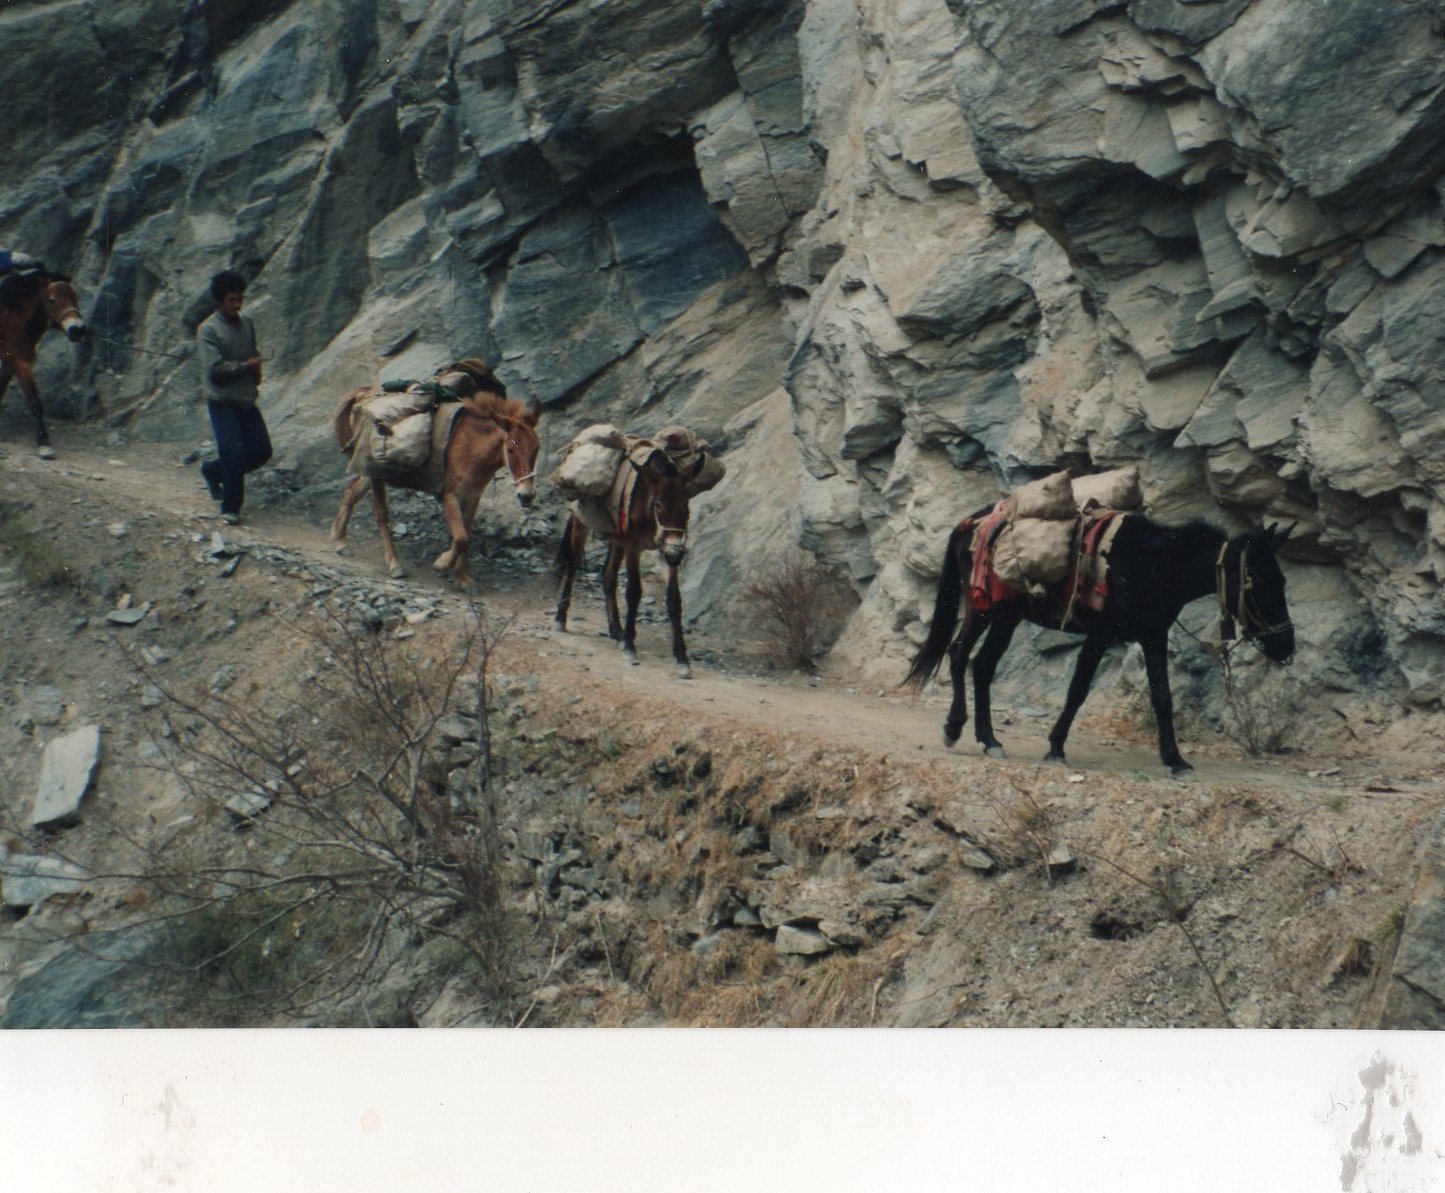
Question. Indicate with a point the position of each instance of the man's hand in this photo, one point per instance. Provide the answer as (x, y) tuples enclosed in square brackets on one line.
[(254, 364)]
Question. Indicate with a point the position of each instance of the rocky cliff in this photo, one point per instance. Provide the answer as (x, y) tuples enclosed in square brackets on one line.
[(895, 255)]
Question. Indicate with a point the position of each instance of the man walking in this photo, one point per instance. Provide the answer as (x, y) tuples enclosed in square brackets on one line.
[(230, 383)]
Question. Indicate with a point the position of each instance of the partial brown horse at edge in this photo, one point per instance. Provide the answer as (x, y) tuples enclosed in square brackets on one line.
[(656, 517), (31, 304), (490, 432)]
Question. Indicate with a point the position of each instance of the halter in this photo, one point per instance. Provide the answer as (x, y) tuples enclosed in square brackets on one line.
[(517, 481), (58, 320), (1244, 608)]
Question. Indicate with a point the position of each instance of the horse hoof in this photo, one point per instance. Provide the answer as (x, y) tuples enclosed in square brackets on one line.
[(45, 452), (397, 572), (441, 564), (1054, 756), (994, 752), (559, 626), (684, 671), (630, 656), (343, 548), (950, 736), (1181, 770)]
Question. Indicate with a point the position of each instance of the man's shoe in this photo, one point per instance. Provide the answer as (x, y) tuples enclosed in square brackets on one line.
[(231, 519)]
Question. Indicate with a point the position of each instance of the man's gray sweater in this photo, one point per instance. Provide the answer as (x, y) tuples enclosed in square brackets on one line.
[(224, 349)]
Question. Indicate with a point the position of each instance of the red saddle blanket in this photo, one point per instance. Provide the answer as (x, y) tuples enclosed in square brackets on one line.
[(1087, 584)]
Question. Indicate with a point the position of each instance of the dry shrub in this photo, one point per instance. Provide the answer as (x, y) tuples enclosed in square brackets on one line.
[(370, 844), (799, 606), (1263, 711)]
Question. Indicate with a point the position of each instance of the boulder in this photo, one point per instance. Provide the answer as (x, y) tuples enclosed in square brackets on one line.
[(66, 770)]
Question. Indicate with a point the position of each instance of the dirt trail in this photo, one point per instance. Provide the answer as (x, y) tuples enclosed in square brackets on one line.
[(139, 478)]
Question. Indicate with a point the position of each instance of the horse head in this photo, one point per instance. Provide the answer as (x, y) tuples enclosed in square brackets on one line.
[(669, 503), (1254, 591), (62, 308), (521, 449)]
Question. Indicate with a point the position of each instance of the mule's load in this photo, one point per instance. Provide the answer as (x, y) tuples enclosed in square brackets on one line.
[(1034, 538), (599, 469), (683, 448), (1036, 544), (590, 462), (1117, 490)]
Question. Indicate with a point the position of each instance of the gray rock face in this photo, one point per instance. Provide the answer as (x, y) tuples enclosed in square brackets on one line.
[(99, 984), (27, 879), (66, 770), (896, 255)]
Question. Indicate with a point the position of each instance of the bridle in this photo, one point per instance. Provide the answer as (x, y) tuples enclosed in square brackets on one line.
[(1245, 611), (517, 481), (57, 319)]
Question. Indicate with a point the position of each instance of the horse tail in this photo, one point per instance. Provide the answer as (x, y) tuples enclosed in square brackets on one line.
[(945, 611), (342, 425)]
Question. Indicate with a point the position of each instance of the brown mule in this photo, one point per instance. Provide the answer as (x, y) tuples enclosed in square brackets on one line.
[(490, 432), (30, 305), (656, 517)]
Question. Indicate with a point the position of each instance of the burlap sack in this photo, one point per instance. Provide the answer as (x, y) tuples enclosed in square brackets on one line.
[(1049, 497), (1116, 490), (408, 445), (1033, 552), (590, 462)]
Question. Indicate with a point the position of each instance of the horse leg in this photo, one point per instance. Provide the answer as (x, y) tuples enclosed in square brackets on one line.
[(383, 524), (25, 375), (1000, 633), (1084, 668), (353, 492), (674, 616), (609, 590), (634, 598), (1156, 666), (569, 555), (454, 558), (974, 624), (468, 502)]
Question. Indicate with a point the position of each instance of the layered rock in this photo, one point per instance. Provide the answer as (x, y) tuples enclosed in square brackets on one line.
[(896, 255)]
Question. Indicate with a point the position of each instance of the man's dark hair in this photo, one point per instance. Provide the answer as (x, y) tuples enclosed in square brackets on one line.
[(228, 281)]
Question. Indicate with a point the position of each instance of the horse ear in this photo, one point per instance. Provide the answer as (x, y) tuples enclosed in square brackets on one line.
[(1281, 535), (532, 414), (698, 466), (661, 463)]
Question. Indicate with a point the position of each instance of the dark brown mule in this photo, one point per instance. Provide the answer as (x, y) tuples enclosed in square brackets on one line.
[(31, 304), (491, 432), (656, 517)]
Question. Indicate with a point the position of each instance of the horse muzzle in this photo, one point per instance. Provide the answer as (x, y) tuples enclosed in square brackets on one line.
[(1278, 647), (76, 332), (673, 552), (526, 495)]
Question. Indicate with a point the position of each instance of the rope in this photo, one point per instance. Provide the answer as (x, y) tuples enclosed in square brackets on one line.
[(136, 348)]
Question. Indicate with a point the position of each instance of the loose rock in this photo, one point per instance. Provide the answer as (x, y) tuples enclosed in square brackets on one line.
[(66, 772)]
